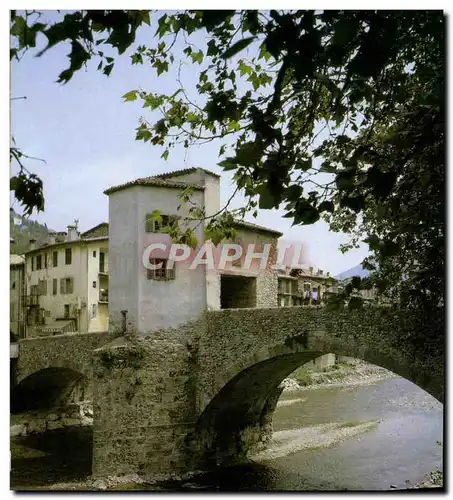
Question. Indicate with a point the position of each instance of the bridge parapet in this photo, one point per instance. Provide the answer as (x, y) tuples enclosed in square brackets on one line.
[(68, 350)]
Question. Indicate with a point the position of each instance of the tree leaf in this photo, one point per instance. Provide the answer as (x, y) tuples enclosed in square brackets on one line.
[(130, 96), (238, 47)]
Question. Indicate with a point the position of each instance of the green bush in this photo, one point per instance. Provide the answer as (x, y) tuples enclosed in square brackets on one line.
[(303, 376)]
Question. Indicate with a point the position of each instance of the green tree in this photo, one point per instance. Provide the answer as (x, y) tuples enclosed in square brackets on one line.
[(328, 114)]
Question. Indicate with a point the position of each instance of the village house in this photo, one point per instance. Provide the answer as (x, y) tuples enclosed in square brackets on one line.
[(66, 283), (156, 292), (304, 286)]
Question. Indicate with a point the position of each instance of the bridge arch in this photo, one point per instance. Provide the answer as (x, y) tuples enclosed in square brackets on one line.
[(237, 405), (48, 388)]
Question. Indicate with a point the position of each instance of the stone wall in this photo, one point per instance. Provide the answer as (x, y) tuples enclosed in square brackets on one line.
[(70, 350), (267, 281), (144, 404)]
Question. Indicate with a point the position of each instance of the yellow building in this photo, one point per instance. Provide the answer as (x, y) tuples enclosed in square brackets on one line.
[(67, 283)]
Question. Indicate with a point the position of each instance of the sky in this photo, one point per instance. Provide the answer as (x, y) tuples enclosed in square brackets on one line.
[(86, 134)]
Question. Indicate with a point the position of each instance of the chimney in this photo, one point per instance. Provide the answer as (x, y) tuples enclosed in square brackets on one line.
[(72, 233), (320, 272), (32, 244), (328, 273), (51, 239), (60, 237)]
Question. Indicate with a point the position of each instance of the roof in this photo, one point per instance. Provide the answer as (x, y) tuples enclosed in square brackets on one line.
[(16, 260), (95, 228), (153, 181), (256, 227), (184, 171), (307, 274), (62, 243)]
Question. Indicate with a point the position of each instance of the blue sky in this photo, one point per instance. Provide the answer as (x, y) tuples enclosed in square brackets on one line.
[(86, 134)]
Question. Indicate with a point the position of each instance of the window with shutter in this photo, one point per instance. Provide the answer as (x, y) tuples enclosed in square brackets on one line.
[(62, 286), (54, 286), (163, 272), (68, 256), (55, 259), (154, 226)]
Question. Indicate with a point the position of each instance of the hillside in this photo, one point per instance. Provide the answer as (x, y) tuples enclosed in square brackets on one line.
[(354, 271), (22, 229)]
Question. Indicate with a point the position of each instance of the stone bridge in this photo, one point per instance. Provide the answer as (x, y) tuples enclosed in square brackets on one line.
[(203, 394), (49, 368)]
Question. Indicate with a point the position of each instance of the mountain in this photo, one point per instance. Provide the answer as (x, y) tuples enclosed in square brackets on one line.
[(22, 229), (354, 271)]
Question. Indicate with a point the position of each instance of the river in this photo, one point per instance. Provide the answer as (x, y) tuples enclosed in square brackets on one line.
[(339, 438)]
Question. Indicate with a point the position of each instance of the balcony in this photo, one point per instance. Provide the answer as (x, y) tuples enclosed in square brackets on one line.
[(103, 296), (103, 271)]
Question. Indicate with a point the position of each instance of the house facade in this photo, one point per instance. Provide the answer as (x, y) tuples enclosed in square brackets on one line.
[(146, 300), (304, 286), (66, 284)]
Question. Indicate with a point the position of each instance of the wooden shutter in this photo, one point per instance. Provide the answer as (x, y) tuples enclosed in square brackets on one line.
[(62, 285), (149, 223)]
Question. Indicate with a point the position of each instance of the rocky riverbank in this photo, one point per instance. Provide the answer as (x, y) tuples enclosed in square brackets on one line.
[(359, 373)]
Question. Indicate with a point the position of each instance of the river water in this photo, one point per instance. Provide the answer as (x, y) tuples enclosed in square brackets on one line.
[(339, 438)]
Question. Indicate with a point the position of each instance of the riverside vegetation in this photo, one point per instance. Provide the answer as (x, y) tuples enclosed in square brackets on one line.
[(357, 373)]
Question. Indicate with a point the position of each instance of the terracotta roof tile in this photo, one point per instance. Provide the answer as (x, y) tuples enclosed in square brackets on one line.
[(153, 181), (177, 173), (256, 227)]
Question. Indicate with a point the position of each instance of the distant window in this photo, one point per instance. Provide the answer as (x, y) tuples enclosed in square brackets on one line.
[(39, 262), (33, 263), (68, 256), (154, 226), (161, 273), (54, 286), (66, 285), (94, 253), (94, 310), (94, 284), (101, 262), (13, 285), (66, 311), (55, 259)]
